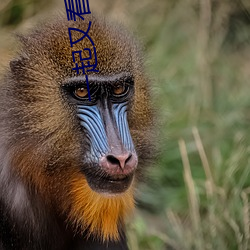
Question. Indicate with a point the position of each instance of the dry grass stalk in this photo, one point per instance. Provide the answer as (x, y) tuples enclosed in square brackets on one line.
[(246, 220), (192, 197), (204, 160)]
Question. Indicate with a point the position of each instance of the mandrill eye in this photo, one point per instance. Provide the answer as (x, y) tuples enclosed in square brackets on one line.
[(81, 92), (119, 89)]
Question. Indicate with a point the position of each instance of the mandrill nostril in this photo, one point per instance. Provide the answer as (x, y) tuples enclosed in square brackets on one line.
[(129, 157), (113, 160), (124, 163), (119, 160)]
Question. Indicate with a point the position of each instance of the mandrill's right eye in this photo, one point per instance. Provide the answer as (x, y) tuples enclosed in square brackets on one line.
[(81, 92)]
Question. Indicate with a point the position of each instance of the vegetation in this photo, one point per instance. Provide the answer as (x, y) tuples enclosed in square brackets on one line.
[(199, 190), (197, 193)]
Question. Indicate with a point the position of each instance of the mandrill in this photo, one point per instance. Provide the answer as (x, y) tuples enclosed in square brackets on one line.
[(71, 153)]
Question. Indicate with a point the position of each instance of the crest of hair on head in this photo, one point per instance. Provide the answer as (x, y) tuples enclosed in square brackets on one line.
[(98, 213)]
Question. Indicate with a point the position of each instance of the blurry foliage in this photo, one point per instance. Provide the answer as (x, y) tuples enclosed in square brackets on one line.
[(197, 193), (199, 54), (198, 82), (13, 12)]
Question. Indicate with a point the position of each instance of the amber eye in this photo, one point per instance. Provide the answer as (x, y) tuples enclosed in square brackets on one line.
[(118, 89), (81, 92)]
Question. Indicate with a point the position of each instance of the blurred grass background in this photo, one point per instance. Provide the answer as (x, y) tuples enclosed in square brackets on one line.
[(197, 193)]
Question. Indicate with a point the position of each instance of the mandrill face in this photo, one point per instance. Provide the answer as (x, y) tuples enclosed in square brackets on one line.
[(110, 163), (81, 156)]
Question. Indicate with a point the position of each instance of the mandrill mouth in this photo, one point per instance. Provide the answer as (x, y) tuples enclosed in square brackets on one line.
[(113, 174), (109, 184)]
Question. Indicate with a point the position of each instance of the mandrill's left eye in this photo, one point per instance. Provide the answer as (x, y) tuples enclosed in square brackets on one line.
[(119, 89), (81, 92)]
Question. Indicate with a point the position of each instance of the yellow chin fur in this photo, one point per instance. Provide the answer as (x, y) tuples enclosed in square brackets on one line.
[(99, 213)]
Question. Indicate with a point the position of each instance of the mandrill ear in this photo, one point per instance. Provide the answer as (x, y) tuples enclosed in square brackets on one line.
[(15, 64), (18, 63)]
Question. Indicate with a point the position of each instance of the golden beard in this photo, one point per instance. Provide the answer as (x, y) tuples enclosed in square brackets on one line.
[(99, 213)]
